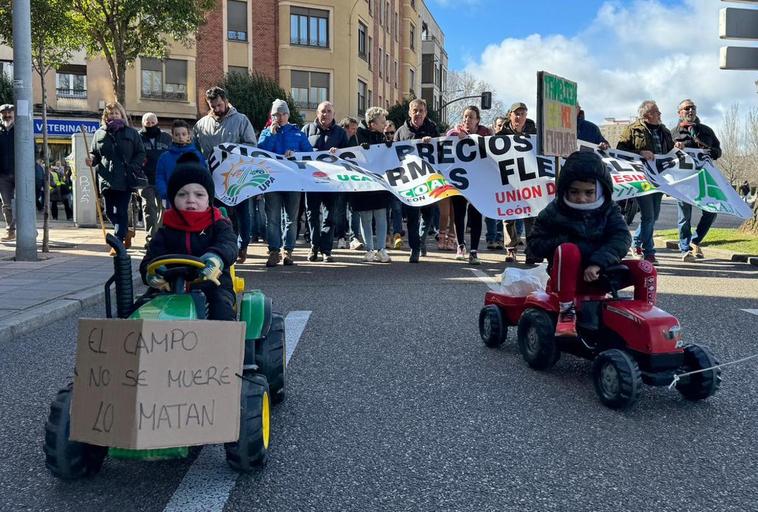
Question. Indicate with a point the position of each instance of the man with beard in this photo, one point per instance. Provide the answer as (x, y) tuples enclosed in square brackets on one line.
[(156, 143), (224, 124), (691, 133), (7, 169)]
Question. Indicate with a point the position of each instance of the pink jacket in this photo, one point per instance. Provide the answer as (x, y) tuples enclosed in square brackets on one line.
[(461, 128)]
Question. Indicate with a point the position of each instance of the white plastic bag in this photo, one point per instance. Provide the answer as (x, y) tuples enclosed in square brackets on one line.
[(520, 282)]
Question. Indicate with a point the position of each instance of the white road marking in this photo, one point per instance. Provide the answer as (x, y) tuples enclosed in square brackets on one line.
[(490, 281), (752, 311), (209, 481)]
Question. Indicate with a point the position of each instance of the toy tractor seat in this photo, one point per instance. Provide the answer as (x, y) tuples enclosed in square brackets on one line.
[(616, 278)]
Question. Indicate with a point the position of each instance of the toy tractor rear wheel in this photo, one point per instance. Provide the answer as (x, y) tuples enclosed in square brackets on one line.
[(492, 329), (617, 379), (271, 357), (64, 458), (251, 449), (699, 386), (536, 339)]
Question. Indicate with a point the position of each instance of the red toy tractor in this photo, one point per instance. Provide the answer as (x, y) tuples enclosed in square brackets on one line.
[(629, 340)]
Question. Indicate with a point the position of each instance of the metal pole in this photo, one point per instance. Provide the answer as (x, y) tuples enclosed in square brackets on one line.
[(26, 217)]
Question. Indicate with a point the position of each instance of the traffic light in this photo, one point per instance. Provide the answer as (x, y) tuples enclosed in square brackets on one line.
[(486, 100)]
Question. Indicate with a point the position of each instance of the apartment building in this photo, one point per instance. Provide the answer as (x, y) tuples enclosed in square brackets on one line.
[(78, 91), (355, 53), (433, 62)]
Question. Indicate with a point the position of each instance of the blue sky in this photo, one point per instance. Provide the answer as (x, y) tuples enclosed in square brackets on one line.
[(619, 52)]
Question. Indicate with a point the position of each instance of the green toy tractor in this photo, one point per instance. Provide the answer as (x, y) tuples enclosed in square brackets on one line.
[(263, 375)]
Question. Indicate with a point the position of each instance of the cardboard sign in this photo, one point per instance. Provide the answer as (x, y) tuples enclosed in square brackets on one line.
[(155, 384), (556, 115)]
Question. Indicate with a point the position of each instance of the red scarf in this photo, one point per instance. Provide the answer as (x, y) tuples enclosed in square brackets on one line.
[(192, 221)]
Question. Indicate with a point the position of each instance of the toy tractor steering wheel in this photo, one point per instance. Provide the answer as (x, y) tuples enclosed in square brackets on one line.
[(177, 269)]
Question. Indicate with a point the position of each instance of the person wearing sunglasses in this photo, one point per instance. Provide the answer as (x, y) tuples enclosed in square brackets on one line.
[(691, 133)]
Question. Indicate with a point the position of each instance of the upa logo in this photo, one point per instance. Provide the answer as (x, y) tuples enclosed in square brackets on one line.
[(241, 176), (435, 186)]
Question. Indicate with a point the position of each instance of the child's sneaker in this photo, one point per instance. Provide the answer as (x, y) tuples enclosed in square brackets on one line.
[(356, 245), (566, 325), (473, 258), (460, 253), (341, 243), (370, 256), (382, 256)]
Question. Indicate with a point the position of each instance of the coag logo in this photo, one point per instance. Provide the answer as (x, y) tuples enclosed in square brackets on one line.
[(435, 186)]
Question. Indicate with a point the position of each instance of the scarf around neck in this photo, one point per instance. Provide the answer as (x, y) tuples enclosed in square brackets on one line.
[(192, 221)]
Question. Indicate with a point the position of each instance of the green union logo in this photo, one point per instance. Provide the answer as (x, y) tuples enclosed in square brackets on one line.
[(708, 188), (249, 178)]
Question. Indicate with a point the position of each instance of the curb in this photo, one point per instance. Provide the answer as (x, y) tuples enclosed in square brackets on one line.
[(732, 256), (44, 314)]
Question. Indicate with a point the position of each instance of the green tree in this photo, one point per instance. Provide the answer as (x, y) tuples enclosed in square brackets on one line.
[(253, 94), (398, 114), (55, 37), (6, 89), (122, 30)]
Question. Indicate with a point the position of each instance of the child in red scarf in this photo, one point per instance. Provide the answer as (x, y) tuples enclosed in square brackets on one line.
[(191, 226)]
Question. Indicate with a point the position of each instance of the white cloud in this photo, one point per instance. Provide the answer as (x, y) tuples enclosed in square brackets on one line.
[(642, 50)]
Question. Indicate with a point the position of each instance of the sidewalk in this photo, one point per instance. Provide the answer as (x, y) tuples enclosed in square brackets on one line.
[(61, 283)]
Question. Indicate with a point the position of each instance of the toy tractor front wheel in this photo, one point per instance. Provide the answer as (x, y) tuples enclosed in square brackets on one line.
[(64, 458), (536, 339), (251, 449), (617, 379), (699, 386), (492, 329), (271, 357)]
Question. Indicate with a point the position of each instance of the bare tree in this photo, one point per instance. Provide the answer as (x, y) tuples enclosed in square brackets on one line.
[(462, 83), (731, 137), (751, 145)]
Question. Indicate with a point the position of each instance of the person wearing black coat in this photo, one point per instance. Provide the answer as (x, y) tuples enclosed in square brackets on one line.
[(581, 232), (691, 133), (417, 126), (204, 233), (156, 142)]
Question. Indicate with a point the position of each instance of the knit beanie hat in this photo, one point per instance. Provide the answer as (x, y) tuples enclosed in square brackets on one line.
[(190, 172), (280, 107)]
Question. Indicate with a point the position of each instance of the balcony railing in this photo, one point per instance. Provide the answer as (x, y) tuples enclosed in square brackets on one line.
[(158, 95), (71, 93)]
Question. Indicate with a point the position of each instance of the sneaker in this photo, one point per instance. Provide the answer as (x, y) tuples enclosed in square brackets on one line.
[(460, 254), (341, 243), (688, 257), (499, 245), (9, 237), (242, 255), (510, 256), (370, 256), (491, 246), (328, 258), (566, 325), (274, 257), (698, 252), (423, 250), (356, 245), (382, 256), (313, 255), (651, 259), (414, 256), (473, 258), (288, 258), (398, 241)]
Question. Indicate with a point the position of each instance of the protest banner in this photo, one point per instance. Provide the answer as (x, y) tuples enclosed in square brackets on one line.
[(143, 384), (502, 176), (556, 115)]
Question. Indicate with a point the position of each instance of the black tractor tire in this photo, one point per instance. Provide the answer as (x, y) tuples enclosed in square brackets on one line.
[(66, 459), (251, 449), (492, 329), (699, 386), (617, 379), (536, 339), (271, 357)]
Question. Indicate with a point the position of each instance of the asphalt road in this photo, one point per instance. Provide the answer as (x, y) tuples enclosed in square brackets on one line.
[(393, 403)]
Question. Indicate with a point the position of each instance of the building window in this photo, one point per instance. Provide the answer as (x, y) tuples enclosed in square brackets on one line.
[(309, 27), (361, 97), (236, 20), (71, 81), (413, 4), (387, 17), (397, 73), (238, 70), (387, 66), (362, 41), (164, 79), (381, 63), (397, 27), (413, 37), (370, 46), (412, 80), (309, 88), (371, 7), (6, 67)]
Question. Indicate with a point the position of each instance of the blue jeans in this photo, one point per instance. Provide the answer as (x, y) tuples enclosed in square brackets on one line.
[(419, 220), (320, 222), (494, 230), (396, 208), (650, 208), (380, 217), (684, 219), (280, 226), (355, 225)]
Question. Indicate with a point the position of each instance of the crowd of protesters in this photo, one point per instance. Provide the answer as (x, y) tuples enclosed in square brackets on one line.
[(130, 162)]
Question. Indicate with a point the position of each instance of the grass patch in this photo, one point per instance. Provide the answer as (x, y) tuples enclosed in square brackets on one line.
[(729, 239)]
